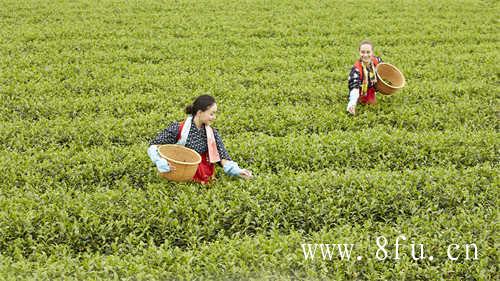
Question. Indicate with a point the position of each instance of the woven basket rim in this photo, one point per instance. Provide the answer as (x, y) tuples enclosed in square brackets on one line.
[(397, 69), (198, 157)]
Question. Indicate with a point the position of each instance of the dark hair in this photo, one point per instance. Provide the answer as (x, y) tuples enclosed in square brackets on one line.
[(365, 42), (202, 103)]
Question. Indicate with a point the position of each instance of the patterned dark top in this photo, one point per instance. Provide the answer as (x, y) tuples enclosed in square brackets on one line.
[(355, 78), (197, 139)]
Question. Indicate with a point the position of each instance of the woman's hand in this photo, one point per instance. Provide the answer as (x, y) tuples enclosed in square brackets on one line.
[(351, 109), (231, 168), (353, 100), (246, 174), (161, 164)]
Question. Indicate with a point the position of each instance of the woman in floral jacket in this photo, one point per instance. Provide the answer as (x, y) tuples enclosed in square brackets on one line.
[(196, 133)]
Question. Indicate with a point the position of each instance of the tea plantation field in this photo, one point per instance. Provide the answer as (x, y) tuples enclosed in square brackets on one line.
[(84, 86)]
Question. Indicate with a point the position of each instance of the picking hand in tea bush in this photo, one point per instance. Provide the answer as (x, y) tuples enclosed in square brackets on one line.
[(231, 168)]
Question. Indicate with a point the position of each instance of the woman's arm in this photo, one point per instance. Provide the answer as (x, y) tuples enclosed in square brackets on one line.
[(354, 80), (224, 162), (230, 167), (167, 136), (353, 100), (354, 83), (224, 155)]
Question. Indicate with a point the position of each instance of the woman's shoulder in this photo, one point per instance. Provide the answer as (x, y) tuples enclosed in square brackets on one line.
[(356, 66), (354, 71), (216, 132), (173, 125)]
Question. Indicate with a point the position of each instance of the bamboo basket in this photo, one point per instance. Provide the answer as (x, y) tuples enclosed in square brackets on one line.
[(183, 160), (389, 73)]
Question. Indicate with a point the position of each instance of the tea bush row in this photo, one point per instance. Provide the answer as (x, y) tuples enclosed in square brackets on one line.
[(189, 215)]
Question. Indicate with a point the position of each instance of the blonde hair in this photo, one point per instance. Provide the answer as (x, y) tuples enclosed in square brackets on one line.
[(365, 42)]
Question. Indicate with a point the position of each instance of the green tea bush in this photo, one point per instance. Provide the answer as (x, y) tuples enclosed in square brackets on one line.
[(85, 85)]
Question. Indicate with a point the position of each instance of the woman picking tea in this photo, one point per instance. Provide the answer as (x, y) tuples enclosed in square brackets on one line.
[(362, 77), (196, 133)]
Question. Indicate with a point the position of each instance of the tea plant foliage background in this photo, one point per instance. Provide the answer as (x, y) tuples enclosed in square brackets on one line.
[(84, 86)]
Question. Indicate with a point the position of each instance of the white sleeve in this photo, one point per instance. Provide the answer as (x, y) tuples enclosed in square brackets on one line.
[(353, 97), (153, 153)]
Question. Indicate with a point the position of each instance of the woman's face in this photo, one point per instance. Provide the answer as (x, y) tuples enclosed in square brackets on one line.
[(208, 116), (365, 51)]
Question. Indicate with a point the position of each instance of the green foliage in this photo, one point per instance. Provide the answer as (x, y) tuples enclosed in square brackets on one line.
[(85, 84)]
